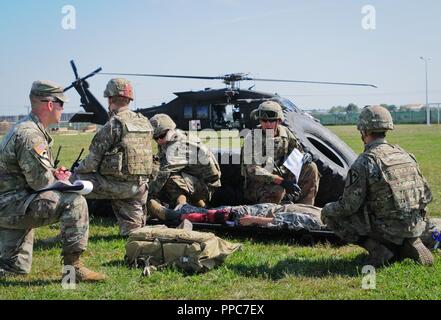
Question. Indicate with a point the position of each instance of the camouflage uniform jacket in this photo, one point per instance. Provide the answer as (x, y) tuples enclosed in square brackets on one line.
[(186, 154), (390, 202), (26, 164), (255, 163), (106, 147)]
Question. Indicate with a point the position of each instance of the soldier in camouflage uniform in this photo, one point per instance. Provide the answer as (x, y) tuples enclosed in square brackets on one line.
[(383, 206), (266, 179), (120, 159), (27, 165), (188, 171)]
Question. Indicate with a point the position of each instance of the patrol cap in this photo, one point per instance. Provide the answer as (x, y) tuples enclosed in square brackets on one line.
[(161, 123), (375, 118), (119, 87), (49, 90), (268, 110)]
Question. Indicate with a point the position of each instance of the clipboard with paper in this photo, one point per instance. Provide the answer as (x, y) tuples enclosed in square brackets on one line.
[(82, 187), (294, 163)]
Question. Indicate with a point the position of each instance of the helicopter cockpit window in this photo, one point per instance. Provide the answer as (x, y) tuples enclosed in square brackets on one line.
[(188, 112), (202, 112), (227, 117)]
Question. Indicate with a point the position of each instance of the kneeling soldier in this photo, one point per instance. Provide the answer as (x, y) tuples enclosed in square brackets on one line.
[(271, 185), (120, 159), (384, 202), (188, 171), (27, 165)]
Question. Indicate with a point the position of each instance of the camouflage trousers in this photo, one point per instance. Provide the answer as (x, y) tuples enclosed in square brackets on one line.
[(185, 184), (294, 216), (17, 234), (128, 199), (272, 209), (361, 224), (272, 193)]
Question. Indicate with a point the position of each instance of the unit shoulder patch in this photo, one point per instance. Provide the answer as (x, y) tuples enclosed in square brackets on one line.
[(353, 177), (40, 148)]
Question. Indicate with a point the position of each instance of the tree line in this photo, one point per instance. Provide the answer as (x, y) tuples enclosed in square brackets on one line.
[(353, 108)]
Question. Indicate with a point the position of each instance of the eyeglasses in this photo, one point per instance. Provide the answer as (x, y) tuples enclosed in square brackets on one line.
[(161, 136)]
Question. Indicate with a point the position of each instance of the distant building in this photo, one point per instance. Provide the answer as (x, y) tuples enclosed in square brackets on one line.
[(65, 117)]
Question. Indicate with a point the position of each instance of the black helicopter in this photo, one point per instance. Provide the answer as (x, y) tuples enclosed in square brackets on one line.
[(230, 108)]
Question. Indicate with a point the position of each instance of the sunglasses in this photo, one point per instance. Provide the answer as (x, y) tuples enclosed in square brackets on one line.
[(60, 103), (268, 115), (268, 120), (161, 136)]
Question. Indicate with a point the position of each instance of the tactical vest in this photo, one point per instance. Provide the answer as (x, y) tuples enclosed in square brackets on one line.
[(134, 156), (281, 145), (400, 192)]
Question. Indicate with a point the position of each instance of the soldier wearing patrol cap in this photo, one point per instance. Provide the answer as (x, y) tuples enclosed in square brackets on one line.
[(265, 177), (119, 162), (26, 166), (188, 170), (383, 206)]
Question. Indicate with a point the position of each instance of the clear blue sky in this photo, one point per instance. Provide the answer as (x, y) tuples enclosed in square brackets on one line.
[(309, 40)]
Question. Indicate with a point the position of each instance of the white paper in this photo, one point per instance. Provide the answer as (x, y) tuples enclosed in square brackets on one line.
[(294, 163), (87, 186), (82, 187)]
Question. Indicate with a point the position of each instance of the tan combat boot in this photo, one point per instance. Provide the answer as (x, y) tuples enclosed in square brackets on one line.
[(82, 273), (414, 249), (157, 210), (181, 200), (379, 254), (201, 204)]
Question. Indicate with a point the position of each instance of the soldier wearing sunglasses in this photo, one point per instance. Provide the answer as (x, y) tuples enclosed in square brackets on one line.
[(266, 179)]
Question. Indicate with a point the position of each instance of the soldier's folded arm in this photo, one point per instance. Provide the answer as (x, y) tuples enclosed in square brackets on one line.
[(260, 174), (354, 194), (33, 159), (102, 142)]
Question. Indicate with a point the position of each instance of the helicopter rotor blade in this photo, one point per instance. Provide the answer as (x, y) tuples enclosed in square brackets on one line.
[(235, 77), (74, 68), (162, 76), (68, 88), (92, 74), (314, 82), (83, 79)]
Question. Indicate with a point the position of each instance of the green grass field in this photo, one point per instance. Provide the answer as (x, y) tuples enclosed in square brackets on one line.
[(262, 270)]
